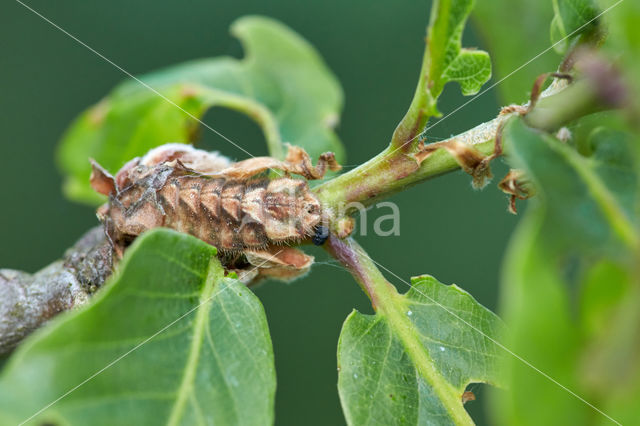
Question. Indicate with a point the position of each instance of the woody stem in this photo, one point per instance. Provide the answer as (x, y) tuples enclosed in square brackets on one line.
[(394, 169)]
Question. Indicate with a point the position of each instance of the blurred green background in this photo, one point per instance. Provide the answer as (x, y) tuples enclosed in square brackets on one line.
[(374, 47)]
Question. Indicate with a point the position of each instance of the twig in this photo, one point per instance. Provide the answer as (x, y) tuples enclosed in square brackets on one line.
[(29, 300), (395, 170)]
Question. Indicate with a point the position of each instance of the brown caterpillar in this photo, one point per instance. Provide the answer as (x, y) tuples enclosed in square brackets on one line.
[(230, 206)]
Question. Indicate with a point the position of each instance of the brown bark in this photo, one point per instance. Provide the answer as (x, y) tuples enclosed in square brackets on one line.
[(28, 300)]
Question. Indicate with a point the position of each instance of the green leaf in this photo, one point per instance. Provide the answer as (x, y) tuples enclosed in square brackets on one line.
[(572, 18), (412, 366), (213, 366), (447, 61), (570, 284), (512, 30), (444, 61), (589, 200), (282, 83)]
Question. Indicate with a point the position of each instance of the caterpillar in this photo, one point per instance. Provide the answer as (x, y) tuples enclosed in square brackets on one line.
[(233, 207)]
